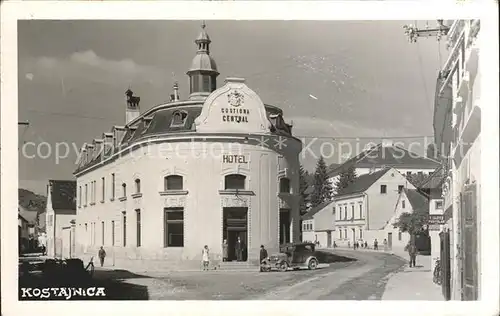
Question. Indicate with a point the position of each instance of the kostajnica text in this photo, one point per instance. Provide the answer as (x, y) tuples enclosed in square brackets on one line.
[(66, 292)]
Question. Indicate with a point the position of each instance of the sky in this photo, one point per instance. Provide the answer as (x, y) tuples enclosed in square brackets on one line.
[(331, 78)]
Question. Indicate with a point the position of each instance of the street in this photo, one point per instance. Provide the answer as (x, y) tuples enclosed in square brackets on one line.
[(362, 279)]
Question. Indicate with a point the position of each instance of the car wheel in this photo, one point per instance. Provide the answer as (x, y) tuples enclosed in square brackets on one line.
[(283, 267), (313, 264)]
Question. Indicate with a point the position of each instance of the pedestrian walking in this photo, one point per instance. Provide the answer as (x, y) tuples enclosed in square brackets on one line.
[(239, 247), (375, 244), (334, 244), (385, 244), (348, 244), (205, 257), (262, 256), (366, 245), (102, 255), (224, 250), (412, 252)]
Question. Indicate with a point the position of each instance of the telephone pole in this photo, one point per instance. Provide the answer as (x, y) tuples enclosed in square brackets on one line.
[(413, 32)]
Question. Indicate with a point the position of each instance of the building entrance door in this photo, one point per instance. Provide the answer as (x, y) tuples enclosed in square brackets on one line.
[(284, 226), (389, 240), (328, 238), (234, 227), (468, 216)]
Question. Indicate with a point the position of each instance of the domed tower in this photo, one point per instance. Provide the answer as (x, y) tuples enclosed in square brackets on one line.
[(203, 72)]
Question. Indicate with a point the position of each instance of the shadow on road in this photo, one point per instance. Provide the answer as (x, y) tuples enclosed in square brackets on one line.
[(113, 283), (329, 257)]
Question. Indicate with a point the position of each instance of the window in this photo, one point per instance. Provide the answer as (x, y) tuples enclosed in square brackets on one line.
[(124, 222), (173, 227), (420, 173), (178, 118), (102, 235), (403, 205), (234, 182), (408, 173), (213, 84), (206, 83), (79, 196), (345, 233), (340, 233), (173, 182), (112, 186), (360, 233), (86, 194), (103, 189), (439, 205), (138, 227), (399, 236), (112, 233), (124, 189), (352, 211), (137, 186), (195, 83), (360, 211), (284, 185), (383, 189), (400, 188), (94, 192)]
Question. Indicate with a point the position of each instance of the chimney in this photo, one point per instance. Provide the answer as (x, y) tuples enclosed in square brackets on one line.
[(132, 112), (176, 92), (90, 153), (83, 157)]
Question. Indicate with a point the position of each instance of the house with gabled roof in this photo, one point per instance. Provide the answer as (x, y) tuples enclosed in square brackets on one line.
[(318, 225), (386, 154), (60, 218), (367, 204), (409, 201)]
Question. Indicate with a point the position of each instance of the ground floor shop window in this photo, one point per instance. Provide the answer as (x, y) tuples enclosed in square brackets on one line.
[(124, 228), (173, 235)]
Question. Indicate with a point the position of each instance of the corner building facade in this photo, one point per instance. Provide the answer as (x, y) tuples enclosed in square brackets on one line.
[(220, 165)]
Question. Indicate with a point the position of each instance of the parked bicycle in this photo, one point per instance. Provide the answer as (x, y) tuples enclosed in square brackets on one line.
[(437, 272)]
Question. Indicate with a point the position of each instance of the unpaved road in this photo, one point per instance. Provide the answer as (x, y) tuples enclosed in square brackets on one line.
[(363, 279)]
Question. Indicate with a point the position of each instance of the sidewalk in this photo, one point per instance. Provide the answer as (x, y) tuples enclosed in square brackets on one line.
[(413, 283)]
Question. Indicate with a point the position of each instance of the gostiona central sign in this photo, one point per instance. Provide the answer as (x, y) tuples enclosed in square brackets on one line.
[(235, 113)]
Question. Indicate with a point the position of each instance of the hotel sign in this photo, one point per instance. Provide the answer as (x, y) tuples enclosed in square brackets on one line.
[(234, 159)]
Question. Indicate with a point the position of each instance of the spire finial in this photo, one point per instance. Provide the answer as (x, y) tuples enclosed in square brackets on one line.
[(203, 24)]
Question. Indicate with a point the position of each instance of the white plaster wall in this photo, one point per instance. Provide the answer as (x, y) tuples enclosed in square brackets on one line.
[(200, 163)]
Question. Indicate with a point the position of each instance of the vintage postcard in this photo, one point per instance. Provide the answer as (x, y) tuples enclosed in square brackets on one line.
[(289, 153)]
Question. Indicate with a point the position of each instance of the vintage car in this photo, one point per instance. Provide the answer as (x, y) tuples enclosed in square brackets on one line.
[(295, 256)]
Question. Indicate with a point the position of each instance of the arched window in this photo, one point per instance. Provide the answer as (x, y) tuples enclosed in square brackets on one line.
[(284, 185), (178, 118), (234, 182), (137, 186), (173, 182), (124, 189)]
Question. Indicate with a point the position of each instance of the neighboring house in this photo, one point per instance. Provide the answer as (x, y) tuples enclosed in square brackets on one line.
[(26, 228), (60, 217), (318, 225), (365, 206), (41, 217), (409, 201), (386, 155)]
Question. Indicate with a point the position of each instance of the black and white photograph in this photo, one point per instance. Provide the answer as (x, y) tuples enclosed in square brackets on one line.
[(236, 159)]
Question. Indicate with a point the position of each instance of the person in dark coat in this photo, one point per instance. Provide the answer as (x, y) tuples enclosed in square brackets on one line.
[(239, 247), (102, 255), (375, 244), (263, 253), (412, 252)]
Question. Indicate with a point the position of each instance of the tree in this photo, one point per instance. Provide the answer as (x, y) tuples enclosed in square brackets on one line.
[(303, 186), (345, 178), (412, 223), (322, 187)]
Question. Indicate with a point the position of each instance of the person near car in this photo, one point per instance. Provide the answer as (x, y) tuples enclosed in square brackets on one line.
[(205, 257), (102, 255), (239, 249), (224, 250)]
